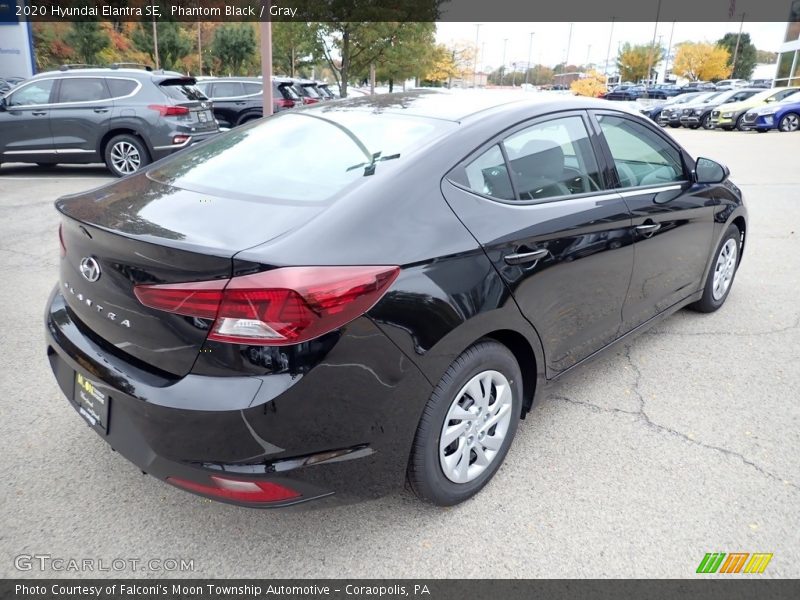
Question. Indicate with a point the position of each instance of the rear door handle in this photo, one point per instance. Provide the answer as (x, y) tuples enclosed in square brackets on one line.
[(39, 113), (101, 110), (525, 257)]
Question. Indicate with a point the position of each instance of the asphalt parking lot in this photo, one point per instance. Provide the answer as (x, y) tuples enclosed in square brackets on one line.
[(682, 442)]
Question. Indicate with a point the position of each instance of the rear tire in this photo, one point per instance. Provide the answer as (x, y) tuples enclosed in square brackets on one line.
[(740, 123), (125, 154), (722, 272), (477, 405), (706, 123)]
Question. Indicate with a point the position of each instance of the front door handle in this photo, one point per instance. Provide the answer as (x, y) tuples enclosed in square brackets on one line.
[(648, 228), (39, 113), (525, 257), (101, 110)]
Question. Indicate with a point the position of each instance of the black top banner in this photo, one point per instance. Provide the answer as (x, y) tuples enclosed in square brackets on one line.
[(402, 10)]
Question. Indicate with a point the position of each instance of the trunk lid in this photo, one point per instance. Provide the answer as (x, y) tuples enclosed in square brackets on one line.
[(138, 231), (182, 91)]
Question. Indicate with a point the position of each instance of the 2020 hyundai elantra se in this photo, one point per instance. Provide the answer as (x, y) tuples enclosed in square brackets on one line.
[(264, 325)]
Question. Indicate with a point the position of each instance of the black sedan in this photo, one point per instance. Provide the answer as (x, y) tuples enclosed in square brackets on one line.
[(269, 332)]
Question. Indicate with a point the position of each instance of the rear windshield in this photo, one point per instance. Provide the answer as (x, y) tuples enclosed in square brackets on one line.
[(311, 90), (287, 91), (182, 90), (303, 157)]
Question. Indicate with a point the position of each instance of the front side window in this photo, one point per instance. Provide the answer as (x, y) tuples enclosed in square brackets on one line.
[(34, 93), (640, 156), (82, 89), (488, 175), (553, 158)]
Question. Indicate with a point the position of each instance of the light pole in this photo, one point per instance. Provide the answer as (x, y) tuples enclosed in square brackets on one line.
[(588, 52), (569, 43), (608, 52), (653, 45), (503, 66), (530, 46), (475, 64)]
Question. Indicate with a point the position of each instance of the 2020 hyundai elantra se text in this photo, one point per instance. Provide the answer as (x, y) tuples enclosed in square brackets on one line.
[(264, 325)]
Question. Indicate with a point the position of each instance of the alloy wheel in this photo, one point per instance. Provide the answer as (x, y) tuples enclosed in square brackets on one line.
[(125, 157), (475, 426), (724, 269), (790, 122)]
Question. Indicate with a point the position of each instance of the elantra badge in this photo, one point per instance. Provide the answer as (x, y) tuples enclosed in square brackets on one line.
[(90, 269)]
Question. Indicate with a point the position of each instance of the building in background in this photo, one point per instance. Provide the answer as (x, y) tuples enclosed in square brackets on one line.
[(789, 54), (16, 43)]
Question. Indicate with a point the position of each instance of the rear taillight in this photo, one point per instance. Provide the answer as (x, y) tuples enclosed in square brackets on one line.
[(61, 240), (169, 111), (278, 307), (238, 490), (285, 103), (307, 100)]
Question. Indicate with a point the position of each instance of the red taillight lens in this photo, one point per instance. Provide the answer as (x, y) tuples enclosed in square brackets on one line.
[(278, 307), (61, 240), (169, 111), (307, 100), (285, 103), (242, 491)]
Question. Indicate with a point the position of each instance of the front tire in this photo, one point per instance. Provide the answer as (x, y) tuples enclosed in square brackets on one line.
[(789, 122), (467, 426), (707, 124), (125, 154), (723, 270), (740, 123)]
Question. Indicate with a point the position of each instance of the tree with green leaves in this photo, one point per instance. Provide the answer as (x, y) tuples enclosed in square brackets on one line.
[(294, 46), (745, 55), (88, 39), (634, 61), (410, 54), (234, 44), (174, 42)]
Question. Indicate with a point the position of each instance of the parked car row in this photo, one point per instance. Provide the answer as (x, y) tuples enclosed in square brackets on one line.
[(238, 100), (130, 117), (742, 109), (663, 91)]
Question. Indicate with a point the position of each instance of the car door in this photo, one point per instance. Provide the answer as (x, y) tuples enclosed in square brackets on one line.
[(80, 117), (673, 218), (536, 200), (228, 101), (25, 123)]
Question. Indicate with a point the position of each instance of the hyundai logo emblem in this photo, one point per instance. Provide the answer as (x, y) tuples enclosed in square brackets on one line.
[(90, 269)]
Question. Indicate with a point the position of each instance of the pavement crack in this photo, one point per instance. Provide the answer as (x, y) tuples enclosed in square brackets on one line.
[(795, 325), (642, 416)]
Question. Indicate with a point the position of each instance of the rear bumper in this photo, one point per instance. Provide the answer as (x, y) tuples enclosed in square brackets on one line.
[(341, 432), (160, 151)]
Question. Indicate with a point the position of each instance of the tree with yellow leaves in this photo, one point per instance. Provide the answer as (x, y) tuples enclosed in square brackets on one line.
[(700, 61), (592, 85)]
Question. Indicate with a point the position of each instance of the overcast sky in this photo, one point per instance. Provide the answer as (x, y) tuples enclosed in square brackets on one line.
[(591, 39)]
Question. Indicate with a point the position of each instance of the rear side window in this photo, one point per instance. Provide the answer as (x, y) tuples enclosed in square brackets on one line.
[(120, 87), (553, 158), (182, 90), (227, 89), (252, 88), (281, 158), (34, 93), (82, 89), (488, 175), (641, 156)]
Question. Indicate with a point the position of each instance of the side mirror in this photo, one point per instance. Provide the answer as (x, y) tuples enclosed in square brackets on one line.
[(768, 100), (709, 171)]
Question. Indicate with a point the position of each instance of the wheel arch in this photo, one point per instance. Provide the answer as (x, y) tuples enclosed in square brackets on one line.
[(523, 351)]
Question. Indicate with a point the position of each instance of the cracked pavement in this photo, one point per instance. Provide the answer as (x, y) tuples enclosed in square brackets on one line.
[(683, 441)]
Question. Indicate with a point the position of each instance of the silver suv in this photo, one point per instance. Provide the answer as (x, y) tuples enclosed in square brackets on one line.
[(125, 118)]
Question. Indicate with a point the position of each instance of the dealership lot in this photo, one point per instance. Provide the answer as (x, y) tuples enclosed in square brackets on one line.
[(684, 441)]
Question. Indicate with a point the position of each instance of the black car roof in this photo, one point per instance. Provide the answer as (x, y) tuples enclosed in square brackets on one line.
[(462, 105)]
